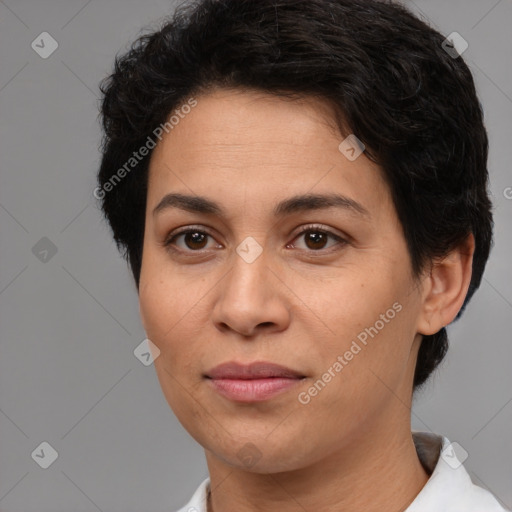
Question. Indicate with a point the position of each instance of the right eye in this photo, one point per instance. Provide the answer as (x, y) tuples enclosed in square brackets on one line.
[(194, 240)]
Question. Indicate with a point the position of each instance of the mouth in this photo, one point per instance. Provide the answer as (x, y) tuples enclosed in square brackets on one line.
[(255, 382)]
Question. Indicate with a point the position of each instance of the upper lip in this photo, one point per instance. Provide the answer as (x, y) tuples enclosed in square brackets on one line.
[(256, 370)]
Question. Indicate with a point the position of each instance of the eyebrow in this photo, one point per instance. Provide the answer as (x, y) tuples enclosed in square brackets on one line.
[(295, 204)]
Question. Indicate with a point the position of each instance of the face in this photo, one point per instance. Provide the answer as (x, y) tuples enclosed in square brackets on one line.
[(321, 287)]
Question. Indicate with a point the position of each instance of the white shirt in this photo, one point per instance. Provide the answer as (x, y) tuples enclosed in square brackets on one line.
[(449, 488)]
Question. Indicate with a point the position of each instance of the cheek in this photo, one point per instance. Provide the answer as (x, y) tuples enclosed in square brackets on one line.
[(157, 311), (347, 305), (166, 298), (174, 321), (375, 360), (370, 321)]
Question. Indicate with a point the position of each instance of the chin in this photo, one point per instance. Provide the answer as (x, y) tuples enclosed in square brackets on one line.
[(260, 455)]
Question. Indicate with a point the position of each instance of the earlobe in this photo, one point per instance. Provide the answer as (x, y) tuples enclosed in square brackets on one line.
[(446, 286)]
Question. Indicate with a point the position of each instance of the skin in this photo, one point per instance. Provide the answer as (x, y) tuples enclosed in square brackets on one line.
[(298, 304)]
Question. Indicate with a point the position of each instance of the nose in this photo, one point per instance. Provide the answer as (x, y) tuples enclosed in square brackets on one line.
[(251, 298)]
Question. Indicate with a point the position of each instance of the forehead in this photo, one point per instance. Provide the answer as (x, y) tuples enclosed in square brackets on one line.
[(239, 145)]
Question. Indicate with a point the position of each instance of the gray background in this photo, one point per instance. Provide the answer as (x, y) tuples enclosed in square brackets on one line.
[(70, 324)]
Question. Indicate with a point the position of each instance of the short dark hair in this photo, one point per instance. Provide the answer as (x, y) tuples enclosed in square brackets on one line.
[(383, 70)]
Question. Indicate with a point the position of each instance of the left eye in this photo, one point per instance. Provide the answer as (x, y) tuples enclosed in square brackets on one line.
[(316, 239)]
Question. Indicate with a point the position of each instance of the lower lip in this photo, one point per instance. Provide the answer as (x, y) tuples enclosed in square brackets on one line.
[(254, 390)]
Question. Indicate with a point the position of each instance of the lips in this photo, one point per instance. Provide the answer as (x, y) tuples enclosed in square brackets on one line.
[(257, 370), (255, 382)]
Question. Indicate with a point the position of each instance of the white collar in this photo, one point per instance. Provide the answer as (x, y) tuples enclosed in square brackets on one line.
[(449, 488)]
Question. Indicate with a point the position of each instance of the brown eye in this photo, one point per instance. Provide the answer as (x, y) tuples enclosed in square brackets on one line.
[(195, 239), (316, 239), (192, 240)]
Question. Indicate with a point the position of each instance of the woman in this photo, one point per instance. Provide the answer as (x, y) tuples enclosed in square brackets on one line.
[(304, 209)]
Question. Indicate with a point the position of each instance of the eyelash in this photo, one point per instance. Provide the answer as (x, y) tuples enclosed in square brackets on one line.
[(168, 243)]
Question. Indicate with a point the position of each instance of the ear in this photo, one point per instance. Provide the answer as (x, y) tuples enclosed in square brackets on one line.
[(445, 287)]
